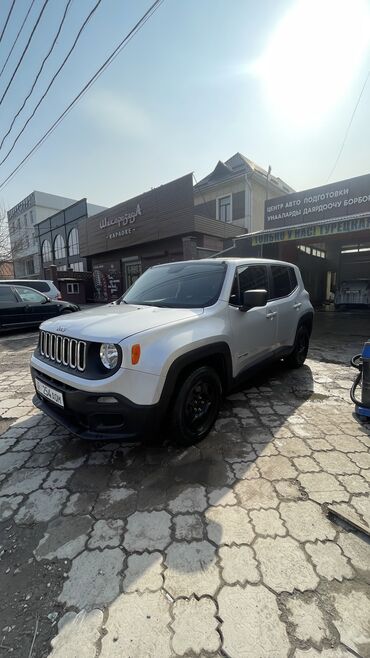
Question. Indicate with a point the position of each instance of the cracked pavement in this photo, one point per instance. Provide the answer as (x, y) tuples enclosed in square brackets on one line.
[(224, 549)]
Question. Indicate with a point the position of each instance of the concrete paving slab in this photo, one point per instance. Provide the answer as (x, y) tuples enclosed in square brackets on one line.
[(79, 636), (239, 565), (191, 569), (138, 626), (143, 572), (284, 565), (251, 623), (93, 579), (195, 626)]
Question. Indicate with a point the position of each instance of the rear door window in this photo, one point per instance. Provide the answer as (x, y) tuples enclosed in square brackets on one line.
[(7, 296), (284, 280), (29, 295)]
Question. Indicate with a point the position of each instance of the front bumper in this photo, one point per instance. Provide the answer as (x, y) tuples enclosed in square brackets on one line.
[(84, 416)]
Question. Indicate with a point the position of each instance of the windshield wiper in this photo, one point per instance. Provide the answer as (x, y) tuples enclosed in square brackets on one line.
[(155, 304)]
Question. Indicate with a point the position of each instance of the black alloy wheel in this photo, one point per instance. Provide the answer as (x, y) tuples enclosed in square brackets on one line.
[(196, 406), (302, 340)]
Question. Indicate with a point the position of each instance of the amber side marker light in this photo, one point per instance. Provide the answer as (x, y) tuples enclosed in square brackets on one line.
[(135, 354)]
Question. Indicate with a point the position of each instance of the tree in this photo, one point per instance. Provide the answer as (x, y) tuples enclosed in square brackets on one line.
[(7, 250)]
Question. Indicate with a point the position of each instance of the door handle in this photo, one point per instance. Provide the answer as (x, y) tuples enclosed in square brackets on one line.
[(271, 314), (298, 305)]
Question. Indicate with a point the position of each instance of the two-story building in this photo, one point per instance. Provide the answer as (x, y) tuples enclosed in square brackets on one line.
[(22, 219), (235, 193), (58, 237)]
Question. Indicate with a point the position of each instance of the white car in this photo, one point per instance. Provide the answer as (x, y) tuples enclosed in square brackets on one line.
[(45, 286), (354, 293), (184, 334)]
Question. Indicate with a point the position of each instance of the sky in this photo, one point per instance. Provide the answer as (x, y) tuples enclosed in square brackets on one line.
[(277, 80)]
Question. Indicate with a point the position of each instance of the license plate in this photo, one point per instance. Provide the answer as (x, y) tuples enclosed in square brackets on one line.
[(49, 393)]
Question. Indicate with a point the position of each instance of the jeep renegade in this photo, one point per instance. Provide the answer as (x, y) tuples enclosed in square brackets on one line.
[(182, 336)]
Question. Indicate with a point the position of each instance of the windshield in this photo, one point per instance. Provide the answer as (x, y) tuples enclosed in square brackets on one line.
[(178, 285)]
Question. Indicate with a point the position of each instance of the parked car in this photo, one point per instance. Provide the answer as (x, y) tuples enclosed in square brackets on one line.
[(23, 307), (42, 285), (354, 293), (180, 337)]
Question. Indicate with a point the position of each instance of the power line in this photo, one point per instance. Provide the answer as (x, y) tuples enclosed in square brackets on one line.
[(16, 38), (348, 127), (38, 74), (50, 83), (140, 23), (24, 51), (7, 20)]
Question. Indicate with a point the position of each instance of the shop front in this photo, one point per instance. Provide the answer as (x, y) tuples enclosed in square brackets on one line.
[(324, 230), (158, 226)]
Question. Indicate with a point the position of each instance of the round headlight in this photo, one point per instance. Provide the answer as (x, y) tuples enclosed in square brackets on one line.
[(109, 355)]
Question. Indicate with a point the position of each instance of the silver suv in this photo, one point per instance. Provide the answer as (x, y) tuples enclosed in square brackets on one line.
[(182, 336), (45, 286)]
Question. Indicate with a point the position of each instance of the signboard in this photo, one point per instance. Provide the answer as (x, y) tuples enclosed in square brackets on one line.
[(334, 201), (313, 231), (163, 212), (122, 224)]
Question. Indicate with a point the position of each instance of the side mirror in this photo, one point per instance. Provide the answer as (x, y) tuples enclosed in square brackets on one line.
[(253, 298)]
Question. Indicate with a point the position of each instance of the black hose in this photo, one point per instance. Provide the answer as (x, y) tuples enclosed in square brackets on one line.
[(353, 390), (356, 362)]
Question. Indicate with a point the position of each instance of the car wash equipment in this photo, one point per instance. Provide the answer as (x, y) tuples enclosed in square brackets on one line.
[(362, 363)]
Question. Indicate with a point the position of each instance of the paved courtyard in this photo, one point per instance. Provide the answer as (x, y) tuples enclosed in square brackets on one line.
[(224, 549)]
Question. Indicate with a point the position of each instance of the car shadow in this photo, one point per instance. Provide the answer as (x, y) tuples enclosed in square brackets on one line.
[(170, 500)]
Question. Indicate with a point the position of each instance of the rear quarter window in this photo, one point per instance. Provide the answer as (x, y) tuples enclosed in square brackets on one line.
[(293, 278), (41, 286), (284, 280)]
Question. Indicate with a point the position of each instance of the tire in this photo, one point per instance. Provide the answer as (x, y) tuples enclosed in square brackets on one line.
[(66, 311), (196, 406), (302, 339)]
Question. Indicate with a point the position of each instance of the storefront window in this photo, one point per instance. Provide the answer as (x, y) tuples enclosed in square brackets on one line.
[(46, 251), (59, 247), (73, 243)]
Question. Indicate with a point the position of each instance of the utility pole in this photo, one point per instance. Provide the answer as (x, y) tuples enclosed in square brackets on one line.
[(267, 182)]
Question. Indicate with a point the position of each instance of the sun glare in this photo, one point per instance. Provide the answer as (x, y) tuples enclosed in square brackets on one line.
[(312, 57)]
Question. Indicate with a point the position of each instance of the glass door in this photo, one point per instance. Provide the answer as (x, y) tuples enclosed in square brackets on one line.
[(132, 270)]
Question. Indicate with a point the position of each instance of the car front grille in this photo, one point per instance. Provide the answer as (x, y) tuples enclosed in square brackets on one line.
[(63, 350)]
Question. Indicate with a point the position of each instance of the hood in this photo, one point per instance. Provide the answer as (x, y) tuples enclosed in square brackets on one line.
[(112, 324)]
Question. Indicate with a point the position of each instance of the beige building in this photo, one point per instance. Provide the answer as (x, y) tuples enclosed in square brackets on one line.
[(22, 220), (235, 192), (6, 269)]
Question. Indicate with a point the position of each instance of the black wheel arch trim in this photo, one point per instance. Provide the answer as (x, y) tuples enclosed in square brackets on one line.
[(197, 355), (307, 320)]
